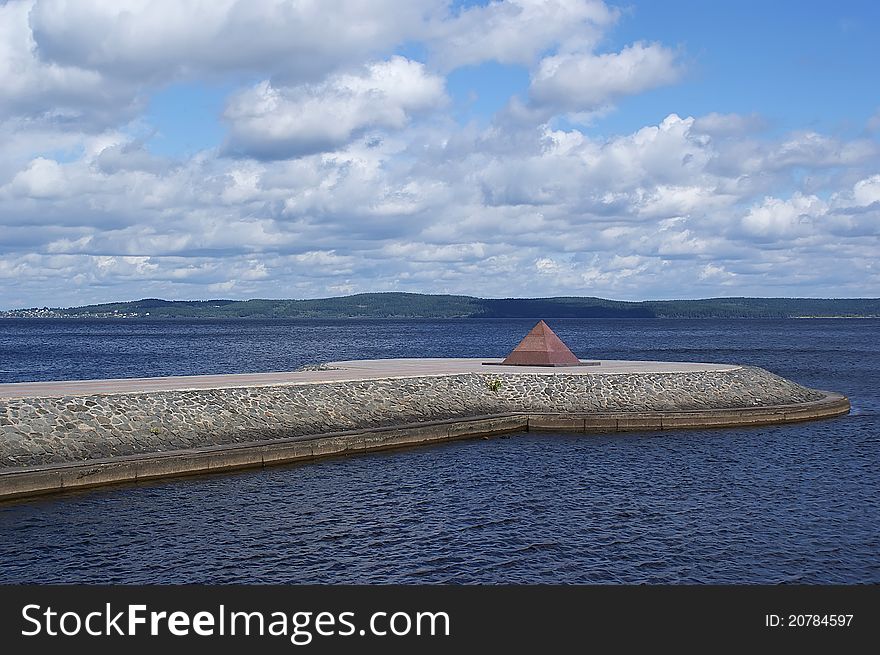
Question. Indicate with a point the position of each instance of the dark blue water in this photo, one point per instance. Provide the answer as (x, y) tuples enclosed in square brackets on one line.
[(796, 503)]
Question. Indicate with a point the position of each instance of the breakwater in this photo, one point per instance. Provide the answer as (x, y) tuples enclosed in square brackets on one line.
[(66, 436)]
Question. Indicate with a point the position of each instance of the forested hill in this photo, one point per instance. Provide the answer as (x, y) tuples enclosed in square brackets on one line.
[(413, 305)]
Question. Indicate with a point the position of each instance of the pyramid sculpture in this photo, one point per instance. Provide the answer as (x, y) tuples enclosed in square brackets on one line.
[(541, 347)]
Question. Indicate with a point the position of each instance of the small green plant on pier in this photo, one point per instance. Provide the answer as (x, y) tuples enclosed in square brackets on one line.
[(494, 384), (154, 430)]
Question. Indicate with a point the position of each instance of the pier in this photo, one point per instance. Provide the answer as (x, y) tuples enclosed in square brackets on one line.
[(57, 436)]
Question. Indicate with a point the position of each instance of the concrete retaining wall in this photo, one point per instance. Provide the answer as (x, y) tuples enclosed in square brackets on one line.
[(51, 444), (56, 430), (37, 480)]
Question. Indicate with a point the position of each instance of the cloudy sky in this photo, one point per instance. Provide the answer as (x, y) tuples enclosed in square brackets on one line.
[(305, 148)]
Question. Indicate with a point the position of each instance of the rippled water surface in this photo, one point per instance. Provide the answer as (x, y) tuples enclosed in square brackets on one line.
[(796, 503)]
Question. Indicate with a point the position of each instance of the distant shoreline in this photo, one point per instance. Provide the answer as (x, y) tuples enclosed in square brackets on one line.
[(424, 306), (823, 317), (87, 317)]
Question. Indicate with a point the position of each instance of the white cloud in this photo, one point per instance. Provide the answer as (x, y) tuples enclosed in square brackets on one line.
[(323, 265), (151, 41), (715, 273), (437, 209), (729, 124), (42, 179), (268, 122), (670, 201), (427, 252), (809, 221), (776, 218), (129, 156), (867, 191), (572, 82), (54, 92), (90, 63), (811, 149), (517, 31), (356, 177)]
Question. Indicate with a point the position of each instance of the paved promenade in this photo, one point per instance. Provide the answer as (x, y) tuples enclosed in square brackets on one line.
[(346, 371)]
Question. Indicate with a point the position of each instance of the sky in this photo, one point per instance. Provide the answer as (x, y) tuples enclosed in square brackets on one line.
[(300, 149)]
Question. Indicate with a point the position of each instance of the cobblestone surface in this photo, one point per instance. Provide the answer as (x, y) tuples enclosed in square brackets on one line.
[(54, 430)]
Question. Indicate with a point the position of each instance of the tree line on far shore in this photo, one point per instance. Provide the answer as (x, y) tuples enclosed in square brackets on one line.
[(414, 305)]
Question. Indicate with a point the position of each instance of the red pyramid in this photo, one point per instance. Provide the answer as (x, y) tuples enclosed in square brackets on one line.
[(541, 347)]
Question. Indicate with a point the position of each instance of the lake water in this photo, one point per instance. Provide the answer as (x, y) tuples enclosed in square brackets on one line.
[(795, 503)]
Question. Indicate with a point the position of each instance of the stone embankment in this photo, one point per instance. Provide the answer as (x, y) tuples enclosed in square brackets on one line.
[(39, 434)]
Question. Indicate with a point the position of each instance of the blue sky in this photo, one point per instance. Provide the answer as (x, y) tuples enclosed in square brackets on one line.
[(184, 118), (804, 64), (799, 65), (673, 149)]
